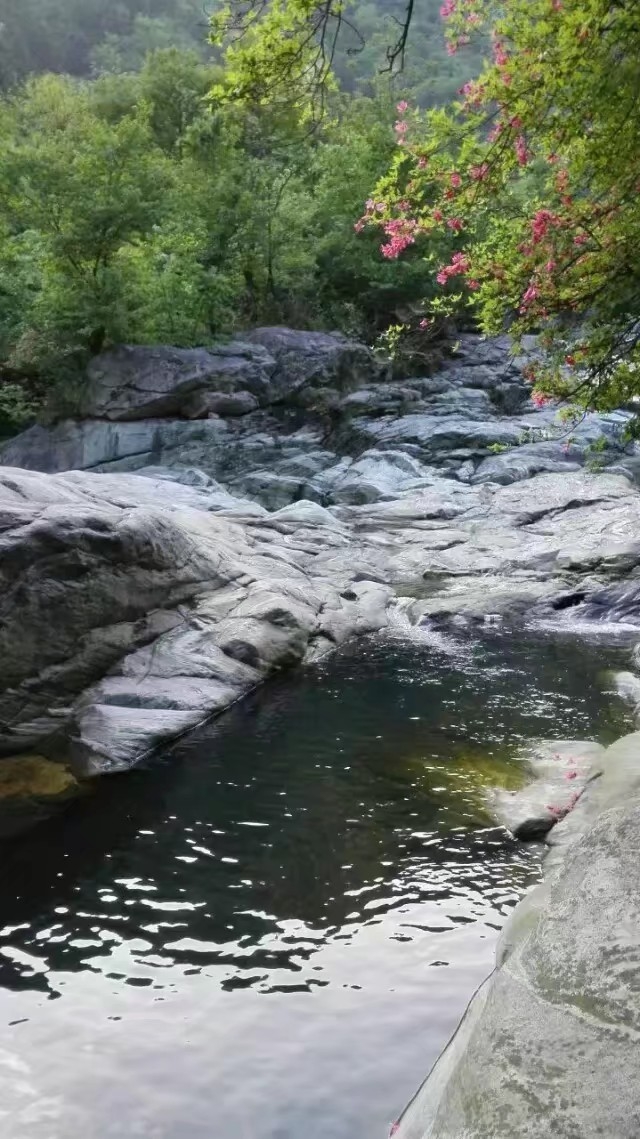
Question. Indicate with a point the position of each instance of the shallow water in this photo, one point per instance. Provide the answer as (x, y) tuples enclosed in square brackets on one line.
[(271, 932)]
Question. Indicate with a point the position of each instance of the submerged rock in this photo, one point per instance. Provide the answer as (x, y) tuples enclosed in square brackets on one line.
[(31, 789), (562, 769)]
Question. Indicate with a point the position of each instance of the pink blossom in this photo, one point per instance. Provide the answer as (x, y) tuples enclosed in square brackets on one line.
[(581, 239), (456, 224), (422, 162), (473, 92), (452, 47), (539, 400), (380, 207), (370, 204), (402, 107), (397, 245), (499, 54), (401, 233), (521, 150), (359, 225), (495, 132), (541, 222), (448, 9), (529, 297), (479, 173), (550, 266), (571, 774), (425, 323), (401, 127), (459, 265), (473, 284), (456, 180), (438, 215)]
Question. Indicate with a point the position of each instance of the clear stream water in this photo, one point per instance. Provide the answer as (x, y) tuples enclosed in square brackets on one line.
[(271, 931)]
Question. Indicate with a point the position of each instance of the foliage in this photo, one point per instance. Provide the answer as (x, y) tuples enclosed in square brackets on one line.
[(535, 172), (76, 37), (136, 207)]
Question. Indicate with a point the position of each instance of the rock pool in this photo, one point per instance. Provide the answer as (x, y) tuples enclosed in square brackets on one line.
[(271, 931)]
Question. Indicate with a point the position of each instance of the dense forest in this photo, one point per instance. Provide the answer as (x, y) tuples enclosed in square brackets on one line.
[(166, 178), (140, 202)]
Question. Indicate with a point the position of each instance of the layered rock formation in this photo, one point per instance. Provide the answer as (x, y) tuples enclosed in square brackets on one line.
[(217, 515), (137, 604)]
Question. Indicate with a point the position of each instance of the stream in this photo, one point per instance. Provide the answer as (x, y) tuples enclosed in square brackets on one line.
[(271, 931)]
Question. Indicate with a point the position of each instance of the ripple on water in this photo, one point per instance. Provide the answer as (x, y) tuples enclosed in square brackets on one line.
[(271, 931)]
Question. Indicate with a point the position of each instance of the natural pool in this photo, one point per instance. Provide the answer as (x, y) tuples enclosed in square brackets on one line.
[(270, 932)]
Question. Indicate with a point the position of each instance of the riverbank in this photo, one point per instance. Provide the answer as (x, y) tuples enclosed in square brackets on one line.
[(548, 1046)]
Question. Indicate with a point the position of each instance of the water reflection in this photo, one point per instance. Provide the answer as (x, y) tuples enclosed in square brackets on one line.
[(272, 930)]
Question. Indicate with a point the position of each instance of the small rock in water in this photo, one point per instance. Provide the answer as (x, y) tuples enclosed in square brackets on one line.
[(534, 830)]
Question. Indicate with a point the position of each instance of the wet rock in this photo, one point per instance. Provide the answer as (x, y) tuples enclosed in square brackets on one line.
[(562, 769), (547, 1046)]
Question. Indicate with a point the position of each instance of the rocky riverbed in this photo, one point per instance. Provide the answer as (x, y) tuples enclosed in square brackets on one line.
[(218, 515)]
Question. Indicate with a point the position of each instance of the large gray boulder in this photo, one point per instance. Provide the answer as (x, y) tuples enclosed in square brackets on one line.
[(146, 383), (309, 362), (548, 1046), (126, 446), (133, 608)]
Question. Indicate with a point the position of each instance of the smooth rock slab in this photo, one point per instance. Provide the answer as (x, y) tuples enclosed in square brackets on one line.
[(549, 1045)]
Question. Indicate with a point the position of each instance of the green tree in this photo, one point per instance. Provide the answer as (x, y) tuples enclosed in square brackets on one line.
[(86, 190), (537, 171)]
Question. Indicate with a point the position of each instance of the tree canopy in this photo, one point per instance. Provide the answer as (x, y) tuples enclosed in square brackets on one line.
[(153, 192), (534, 169)]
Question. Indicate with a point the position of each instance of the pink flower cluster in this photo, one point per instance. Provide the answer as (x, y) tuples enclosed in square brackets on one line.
[(459, 266), (479, 173), (448, 9), (499, 54), (473, 93), (530, 295), (522, 154), (541, 223), (401, 233), (539, 400)]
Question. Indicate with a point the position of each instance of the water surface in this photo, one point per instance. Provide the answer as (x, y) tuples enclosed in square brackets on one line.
[(271, 931)]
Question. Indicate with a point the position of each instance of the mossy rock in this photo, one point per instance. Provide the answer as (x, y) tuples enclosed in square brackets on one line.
[(31, 788), (463, 782)]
